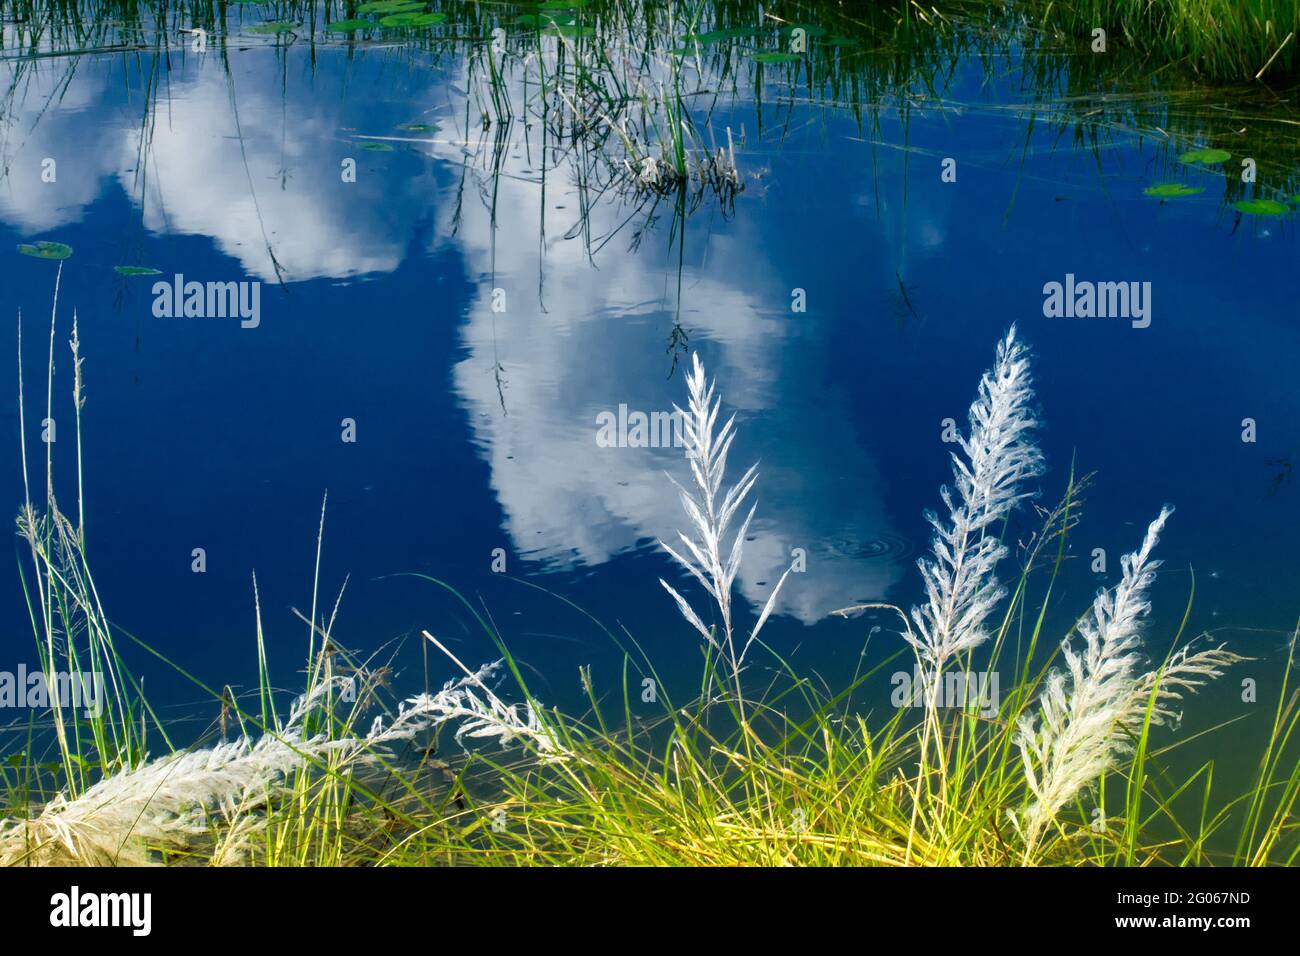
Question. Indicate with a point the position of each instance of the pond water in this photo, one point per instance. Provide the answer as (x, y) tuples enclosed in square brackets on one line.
[(456, 281)]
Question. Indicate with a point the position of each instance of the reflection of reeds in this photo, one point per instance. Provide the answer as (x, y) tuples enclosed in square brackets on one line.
[(643, 66)]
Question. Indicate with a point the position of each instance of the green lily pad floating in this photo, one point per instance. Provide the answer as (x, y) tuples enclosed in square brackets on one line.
[(420, 127), (347, 26), (273, 28), (1172, 190), (1261, 207), (776, 56), (1296, 198), (45, 250), (563, 5), (1205, 157), (376, 147), (840, 42), (405, 21), (391, 6), (136, 271)]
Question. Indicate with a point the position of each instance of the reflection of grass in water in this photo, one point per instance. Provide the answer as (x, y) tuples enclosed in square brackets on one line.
[(793, 772), (608, 58)]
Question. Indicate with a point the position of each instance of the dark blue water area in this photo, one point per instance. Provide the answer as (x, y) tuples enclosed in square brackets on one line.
[(477, 430)]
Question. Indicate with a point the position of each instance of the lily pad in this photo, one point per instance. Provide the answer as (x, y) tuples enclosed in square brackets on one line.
[(562, 5), (1205, 157), (136, 271), (404, 21), (1172, 190), (1261, 207), (846, 42), (376, 147), (347, 26), (420, 127), (391, 6), (45, 250), (776, 56), (273, 28)]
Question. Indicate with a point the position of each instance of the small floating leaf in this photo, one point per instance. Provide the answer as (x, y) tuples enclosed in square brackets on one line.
[(46, 250), (391, 6), (809, 29), (1261, 207), (840, 41), (136, 271), (775, 56), (265, 28), (400, 20), (420, 127), (377, 147), (347, 26), (1205, 157), (563, 5), (1171, 190)]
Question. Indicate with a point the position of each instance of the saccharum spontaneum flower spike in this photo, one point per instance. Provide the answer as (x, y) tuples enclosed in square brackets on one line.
[(1078, 734), (168, 803), (998, 456), (708, 557)]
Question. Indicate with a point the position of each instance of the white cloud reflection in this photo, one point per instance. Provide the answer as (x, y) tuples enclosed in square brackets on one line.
[(578, 338)]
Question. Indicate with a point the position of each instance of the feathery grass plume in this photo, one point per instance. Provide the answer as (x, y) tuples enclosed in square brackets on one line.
[(166, 804), (709, 559), (960, 586), (162, 805), (1077, 735)]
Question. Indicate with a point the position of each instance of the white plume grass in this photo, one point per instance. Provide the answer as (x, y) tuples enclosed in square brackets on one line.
[(708, 556), (997, 456), (187, 798), (1079, 731)]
